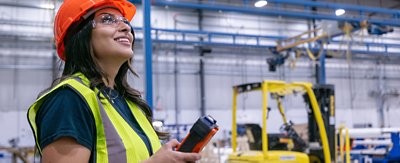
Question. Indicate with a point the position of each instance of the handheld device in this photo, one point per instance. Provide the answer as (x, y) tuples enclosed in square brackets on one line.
[(200, 134)]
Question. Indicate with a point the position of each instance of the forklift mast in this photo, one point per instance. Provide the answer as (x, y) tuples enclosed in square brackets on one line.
[(325, 95)]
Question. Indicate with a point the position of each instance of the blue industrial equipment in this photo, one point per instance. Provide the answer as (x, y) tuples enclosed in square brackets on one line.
[(391, 156), (374, 29), (274, 62), (394, 153), (277, 60), (263, 41)]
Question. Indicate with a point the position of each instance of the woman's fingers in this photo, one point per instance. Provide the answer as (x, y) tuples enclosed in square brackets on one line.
[(189, 157), (172, 144), (167, 155)]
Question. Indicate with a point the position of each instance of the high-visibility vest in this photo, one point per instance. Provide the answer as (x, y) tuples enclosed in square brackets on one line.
[(116, 140)]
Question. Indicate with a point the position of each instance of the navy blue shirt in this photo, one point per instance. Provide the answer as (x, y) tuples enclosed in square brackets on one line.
[(65, 114)]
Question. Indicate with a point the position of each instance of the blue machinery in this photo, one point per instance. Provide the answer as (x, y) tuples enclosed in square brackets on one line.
[(392, 156), (389, 17), (259, 41)]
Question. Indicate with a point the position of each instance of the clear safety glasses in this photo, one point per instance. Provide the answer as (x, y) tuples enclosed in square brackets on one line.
[(110, 20)]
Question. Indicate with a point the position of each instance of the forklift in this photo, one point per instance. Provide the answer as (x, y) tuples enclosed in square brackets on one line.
[(267, 147)]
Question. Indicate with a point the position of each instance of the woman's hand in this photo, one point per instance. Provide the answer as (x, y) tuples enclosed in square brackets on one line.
[(166, 154)]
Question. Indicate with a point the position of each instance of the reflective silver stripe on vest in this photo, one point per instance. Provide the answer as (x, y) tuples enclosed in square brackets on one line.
[(115, 148)]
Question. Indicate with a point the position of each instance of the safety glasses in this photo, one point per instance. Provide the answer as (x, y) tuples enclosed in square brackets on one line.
[(110, 20)]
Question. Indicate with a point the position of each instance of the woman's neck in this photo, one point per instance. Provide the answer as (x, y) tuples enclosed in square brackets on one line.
[(111, 71), (109, 82)]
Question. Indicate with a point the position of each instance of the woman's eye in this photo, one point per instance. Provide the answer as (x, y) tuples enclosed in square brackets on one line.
[(124, 20), (107, 19)]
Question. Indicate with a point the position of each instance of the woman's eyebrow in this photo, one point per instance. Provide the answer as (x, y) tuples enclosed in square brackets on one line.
[(106, 13)]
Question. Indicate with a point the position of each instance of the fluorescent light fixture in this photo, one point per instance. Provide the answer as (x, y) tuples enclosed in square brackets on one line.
[(260, 3), (47, 6), (339, 12)]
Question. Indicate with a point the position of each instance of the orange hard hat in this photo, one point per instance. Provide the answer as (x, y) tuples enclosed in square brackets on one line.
[(72, 11)]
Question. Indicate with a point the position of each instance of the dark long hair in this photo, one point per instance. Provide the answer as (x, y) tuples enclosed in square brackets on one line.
[(79, 57)]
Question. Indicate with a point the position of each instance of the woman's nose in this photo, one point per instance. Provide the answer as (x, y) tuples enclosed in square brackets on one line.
[(123, 27)]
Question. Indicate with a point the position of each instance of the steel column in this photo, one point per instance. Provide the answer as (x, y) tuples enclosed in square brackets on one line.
[(201, 67), (322, 68), (148, 52), (381, 95)]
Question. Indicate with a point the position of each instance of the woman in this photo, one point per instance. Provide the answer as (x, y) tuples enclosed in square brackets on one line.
[(91, 114)]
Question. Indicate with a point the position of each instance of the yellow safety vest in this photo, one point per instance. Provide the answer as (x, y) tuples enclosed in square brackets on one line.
[(116, 141)]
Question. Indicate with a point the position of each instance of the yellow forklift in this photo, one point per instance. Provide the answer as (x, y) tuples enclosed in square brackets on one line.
[(320, 124)]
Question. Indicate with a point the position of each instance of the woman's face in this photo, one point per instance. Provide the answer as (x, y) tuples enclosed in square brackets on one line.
[(111, 37)]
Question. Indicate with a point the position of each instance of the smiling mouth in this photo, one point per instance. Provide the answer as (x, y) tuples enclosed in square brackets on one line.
[(123, 40)]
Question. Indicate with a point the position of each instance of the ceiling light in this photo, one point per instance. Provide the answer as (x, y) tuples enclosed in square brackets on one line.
[(339, 12), (260, 3), (47, 6)]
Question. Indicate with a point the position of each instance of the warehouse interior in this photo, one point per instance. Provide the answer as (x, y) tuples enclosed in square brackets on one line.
[(194, 56)]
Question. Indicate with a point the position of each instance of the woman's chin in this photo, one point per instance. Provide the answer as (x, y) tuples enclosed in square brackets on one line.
[(125, 55)]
